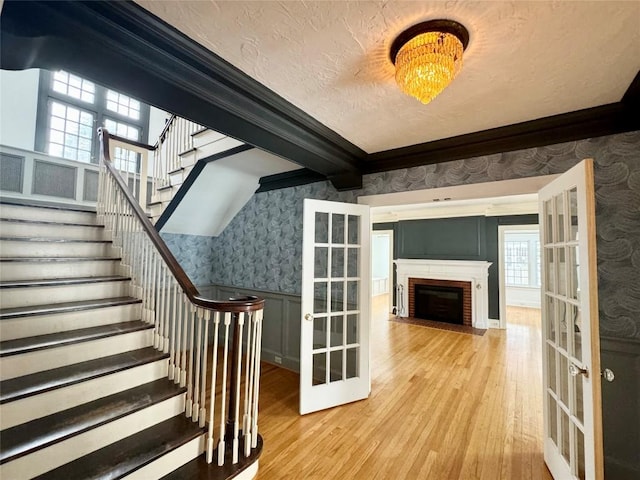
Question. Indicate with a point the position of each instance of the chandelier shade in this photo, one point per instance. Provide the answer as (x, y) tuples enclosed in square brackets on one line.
[(428, 56)]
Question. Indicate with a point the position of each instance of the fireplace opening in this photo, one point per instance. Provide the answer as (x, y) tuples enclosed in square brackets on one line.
[(439, 303)]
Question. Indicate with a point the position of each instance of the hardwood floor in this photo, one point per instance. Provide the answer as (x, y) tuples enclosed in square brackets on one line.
[(444, 405)]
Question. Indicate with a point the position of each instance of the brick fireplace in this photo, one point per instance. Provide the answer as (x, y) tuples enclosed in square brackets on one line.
[(470, 276), (465, 287)]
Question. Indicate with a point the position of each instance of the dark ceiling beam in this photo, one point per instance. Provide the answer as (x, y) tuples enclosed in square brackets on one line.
[(591, 122), (121, 45)]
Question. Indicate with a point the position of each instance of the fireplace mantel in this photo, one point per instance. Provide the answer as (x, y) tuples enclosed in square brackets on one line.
[(476, 272)]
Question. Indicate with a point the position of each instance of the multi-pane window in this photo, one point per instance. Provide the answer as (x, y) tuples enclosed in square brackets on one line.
[(122, 104), (70, 132), (73, 86), (125, 160), (122, 129), (522, 259), (71, 110)]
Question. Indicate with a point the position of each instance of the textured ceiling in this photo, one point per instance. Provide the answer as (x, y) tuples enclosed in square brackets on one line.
[(525, 60)]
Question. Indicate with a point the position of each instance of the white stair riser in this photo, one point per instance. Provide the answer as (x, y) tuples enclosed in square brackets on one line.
[(218, 146), (188, 161), (14, 248), (31, 326), (46, 214), (176, 178), (166, 195), (48, 270), (37, 406), (66, 451), (170, 461), (49, 358), (248, 473), (206, 137), (21, 229), (29, 296)]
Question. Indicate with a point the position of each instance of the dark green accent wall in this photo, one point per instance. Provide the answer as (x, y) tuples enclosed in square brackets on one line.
[(462, 238)]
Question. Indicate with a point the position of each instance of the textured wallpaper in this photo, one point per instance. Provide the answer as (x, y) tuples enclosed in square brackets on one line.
[(262, 247)]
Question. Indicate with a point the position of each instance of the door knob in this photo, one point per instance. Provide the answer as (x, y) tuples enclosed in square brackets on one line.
[(308, 316), (608, 375), (575, 371)]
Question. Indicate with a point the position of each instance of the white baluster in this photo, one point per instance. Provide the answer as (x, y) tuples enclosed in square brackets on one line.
[(214, 369), (185, 331), (191, 353), (248, 383), (172, 347), (178, 320), (198, 355), (223, 396), (256, 379), (236, 427), (205, 348)]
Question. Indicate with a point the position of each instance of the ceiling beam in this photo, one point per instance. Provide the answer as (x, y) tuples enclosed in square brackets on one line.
[(121, 45)]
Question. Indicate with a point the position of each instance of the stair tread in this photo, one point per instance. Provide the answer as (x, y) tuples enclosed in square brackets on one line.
[(42, 432), (48, 222), (35, 383), (199, 469), (21, 202), (51, 240), (65, 307), (125, 456), (53, 282), (58, 259), (52, 340)]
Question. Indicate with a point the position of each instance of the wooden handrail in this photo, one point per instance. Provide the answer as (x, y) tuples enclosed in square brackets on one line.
[(245, 304), (163, 133), (131, 142)]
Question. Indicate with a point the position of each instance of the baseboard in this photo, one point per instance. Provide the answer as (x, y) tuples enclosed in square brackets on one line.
[(493, 323)]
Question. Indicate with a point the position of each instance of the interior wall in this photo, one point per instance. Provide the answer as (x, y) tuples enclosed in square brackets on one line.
[(18, 107), (262, 249), (461, 238)]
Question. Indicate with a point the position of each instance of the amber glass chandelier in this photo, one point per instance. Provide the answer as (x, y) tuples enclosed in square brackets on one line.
[(428, 56)]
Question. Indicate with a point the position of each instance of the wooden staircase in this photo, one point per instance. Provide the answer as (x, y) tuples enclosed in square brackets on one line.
[(83, 393), (180, 146)]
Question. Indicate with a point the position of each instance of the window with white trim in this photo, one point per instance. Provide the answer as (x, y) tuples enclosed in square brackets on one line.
[(71, 108), (522, 259)]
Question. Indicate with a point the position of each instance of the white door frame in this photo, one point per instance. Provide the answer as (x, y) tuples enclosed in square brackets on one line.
[(391, 288), (502, 287)]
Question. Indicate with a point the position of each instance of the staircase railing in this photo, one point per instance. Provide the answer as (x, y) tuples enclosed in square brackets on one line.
[(176, 138), (193, 330)]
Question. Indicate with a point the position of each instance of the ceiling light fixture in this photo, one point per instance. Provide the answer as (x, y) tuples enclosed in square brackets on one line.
[(428, 56)]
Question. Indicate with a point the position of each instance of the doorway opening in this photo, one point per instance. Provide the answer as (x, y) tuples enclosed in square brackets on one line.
[(519, 274), (382, 268)]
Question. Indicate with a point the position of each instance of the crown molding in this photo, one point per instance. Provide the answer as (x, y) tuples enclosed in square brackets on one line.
[(592, 122)]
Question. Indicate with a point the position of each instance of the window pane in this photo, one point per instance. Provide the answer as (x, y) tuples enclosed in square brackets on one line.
[(74, 86), (67, 138), (123, 104)]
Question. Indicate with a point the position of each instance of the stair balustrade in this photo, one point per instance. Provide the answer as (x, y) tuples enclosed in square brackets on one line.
[(176, 138), (193, 330)]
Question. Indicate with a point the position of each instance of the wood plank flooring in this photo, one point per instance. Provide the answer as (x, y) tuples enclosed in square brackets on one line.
[(444, 405)]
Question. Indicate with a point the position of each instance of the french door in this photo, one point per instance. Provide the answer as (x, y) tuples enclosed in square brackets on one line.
[(571, 348), (334, 344)]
